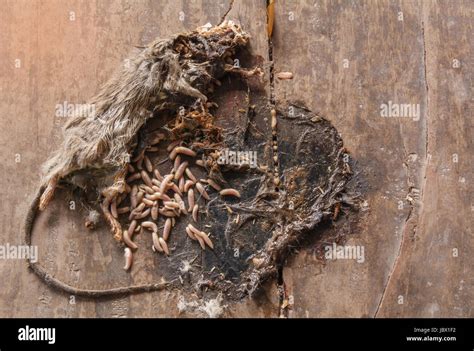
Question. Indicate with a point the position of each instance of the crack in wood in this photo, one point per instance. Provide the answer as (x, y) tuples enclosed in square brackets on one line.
[(413, 215)]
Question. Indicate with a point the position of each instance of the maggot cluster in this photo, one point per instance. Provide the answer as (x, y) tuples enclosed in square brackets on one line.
[(153, 202)]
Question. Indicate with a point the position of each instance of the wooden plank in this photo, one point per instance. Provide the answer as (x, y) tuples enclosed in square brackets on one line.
[(67, 50), (348, 58), (434, 274)]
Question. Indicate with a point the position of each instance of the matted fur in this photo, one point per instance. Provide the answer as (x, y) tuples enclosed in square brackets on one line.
[(167, 70)]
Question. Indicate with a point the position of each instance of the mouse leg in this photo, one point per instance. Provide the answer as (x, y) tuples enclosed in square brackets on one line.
[(48, 193), (114, 224), (110, 194)]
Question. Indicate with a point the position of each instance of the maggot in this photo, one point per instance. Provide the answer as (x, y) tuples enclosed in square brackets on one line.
[(150, 225), (164, 245), (128, 240), (229, 192), (158, 196), (139, 208), (187, 185), (212, 183), (136, 211), (190, 233), (148, 164), (152, 149), (122, 210), (128, 258), (156, 242), (191, 199), (172, 145), (181, 184), (177, 162), (157, 139), (180, 170), (200, 240), (197, 235), (284, 75), (175, 188), (157, 174), (173, 154), (167, 229), (206, 239), (146, 178), (193, 228), (182, 150), (181, 203), (132, 227), (154, 211), (195, 212), (165, 197), (140, 196), (167, 213), (164, 183), (203, 191), (201, 237), (146, 188), (147, 202), (274, 118), (171, 205), (143, 214), (139, 164), (133, 177), (190, 175)]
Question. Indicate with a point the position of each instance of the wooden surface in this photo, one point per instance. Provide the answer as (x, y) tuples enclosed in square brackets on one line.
[(347, 58), (409, 268)]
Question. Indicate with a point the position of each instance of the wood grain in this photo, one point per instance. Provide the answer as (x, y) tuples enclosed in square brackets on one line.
[(347, 58), (67, 50)]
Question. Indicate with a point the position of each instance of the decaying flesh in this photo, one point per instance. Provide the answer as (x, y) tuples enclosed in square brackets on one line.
[(98, 145), (165, 76), (165, 73)]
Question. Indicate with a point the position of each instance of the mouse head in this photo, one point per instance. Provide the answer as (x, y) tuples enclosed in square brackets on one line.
[(189, 63)]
